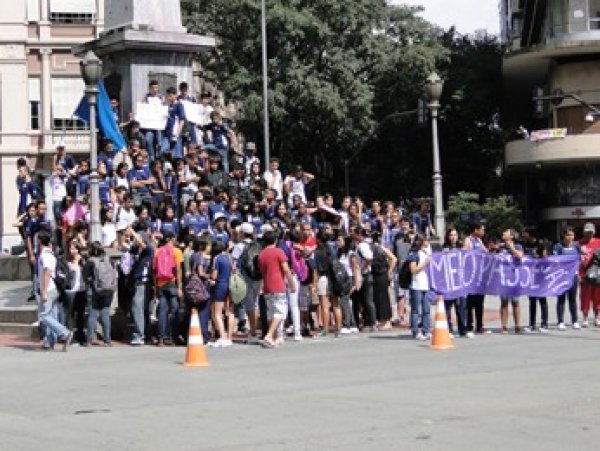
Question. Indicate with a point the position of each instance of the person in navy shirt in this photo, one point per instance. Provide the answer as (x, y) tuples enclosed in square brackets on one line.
[(106, 156), (140, 179), (29, 190), (568, 246), (172, 134), (83, 178), (194, 220), (219, 233), (62, 159), (104, 185), (510, 247), (168, 222), (222, 137)]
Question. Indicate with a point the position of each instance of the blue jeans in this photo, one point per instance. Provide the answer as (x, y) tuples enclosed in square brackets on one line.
[(153, 141), (224, 153), (48, 314), (419, 307), (460, 306), (139, 305), (176, 147), (168, 305)]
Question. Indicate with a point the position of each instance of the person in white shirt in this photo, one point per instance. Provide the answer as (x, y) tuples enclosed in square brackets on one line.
[(274, 178), (295, 184), (419, 258), (124, 213), (48, 307)]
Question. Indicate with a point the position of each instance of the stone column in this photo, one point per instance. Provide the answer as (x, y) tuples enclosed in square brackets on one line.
[(46, 85), (43, 10)]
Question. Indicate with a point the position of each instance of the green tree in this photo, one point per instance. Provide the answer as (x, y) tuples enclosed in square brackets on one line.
[(499, 213)]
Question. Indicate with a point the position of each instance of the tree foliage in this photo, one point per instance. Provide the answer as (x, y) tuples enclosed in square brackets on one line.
[(341, 75), (499, 213)]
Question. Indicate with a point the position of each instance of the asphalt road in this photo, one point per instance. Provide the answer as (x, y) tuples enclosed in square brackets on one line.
[(381, 392)]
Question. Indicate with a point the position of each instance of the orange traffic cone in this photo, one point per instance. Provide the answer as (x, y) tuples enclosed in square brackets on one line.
[(196, 354), (441, 336)]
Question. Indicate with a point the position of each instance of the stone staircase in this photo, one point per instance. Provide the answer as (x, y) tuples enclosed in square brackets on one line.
[(17, 316)]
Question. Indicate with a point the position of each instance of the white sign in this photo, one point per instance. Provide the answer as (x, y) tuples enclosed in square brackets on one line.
[(197, 113), (152, 116), (551, 133)]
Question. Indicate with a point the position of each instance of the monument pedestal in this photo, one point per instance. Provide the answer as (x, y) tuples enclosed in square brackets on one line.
[(144, 40)]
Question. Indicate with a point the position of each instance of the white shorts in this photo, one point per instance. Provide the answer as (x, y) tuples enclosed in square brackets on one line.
[(323, 286), (277, 305)]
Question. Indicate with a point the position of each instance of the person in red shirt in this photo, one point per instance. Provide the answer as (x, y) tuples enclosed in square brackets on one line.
[(590, 294), (275, 270)]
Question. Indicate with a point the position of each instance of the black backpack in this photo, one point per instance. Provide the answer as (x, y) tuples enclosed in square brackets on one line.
[(380, 264), (64, 277), (249, 259), (341, 282), (405, 276)]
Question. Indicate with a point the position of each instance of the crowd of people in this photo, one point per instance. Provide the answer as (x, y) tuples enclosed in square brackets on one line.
[(194, 220)]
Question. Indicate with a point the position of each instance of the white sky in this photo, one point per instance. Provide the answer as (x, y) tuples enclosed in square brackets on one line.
[(466, 15)]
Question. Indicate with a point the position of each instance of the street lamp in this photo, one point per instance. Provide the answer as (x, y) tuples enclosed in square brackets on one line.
[(433, 90), (265, 70), (91, 72)]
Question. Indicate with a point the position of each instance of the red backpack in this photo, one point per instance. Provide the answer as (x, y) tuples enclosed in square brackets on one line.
[(165, 263)]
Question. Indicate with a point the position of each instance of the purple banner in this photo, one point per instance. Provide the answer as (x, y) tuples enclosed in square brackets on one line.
[(457, 273)]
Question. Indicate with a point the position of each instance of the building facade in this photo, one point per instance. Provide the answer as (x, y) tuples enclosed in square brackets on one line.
[(554, 45), (40, 87)]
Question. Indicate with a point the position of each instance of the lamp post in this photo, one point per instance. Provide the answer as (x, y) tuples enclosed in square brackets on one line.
[(433, 89), (91, 72), (263, 21)]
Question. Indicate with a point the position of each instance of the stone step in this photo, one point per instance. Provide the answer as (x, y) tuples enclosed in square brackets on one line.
[(19, 329), (14, 268), (22, 315)]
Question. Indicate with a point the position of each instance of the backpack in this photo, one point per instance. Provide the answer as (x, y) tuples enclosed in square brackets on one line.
[(64, 277), (405, 276), (380, 264), (299, 265), (237, 285), (249, 259), (341, 282), (195, 289), (105, 279), (165, 263)]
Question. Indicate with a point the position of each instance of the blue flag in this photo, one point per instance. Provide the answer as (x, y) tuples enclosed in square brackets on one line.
[(104, 117)]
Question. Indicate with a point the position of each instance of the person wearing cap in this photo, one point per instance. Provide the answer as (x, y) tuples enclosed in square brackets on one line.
[(218, 231), (590, 293), (294, 184)]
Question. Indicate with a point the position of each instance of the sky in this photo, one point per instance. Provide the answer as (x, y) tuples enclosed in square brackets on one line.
[(466, 15)]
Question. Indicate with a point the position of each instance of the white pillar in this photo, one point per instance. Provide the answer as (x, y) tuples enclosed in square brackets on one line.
[(46, 85)]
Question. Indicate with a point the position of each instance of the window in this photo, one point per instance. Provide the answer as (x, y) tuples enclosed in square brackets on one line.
[(66, 95), (34, 103), (34, 114), (72, 11), (33, 10), (72, 18), (594, 14)]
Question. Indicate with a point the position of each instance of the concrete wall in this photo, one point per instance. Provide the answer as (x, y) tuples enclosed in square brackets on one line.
[(575, 149)]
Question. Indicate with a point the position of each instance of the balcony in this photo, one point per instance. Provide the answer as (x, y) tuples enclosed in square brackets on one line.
[(573, 149), (77, 142)]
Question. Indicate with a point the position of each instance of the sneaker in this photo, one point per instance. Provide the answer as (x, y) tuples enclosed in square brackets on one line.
[(31, 298), (279, 341), (226, 343), (420, 337), (543, 330), (427, 336), (561, 326), (323, 333), (345, 331), (576, 326), (470, 335), (451, 335), (298, 337), (220, 343), (354, 330), (597, 322), (289, 330), (137, 342), (584, 324), (67, 342), (529, 330)]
